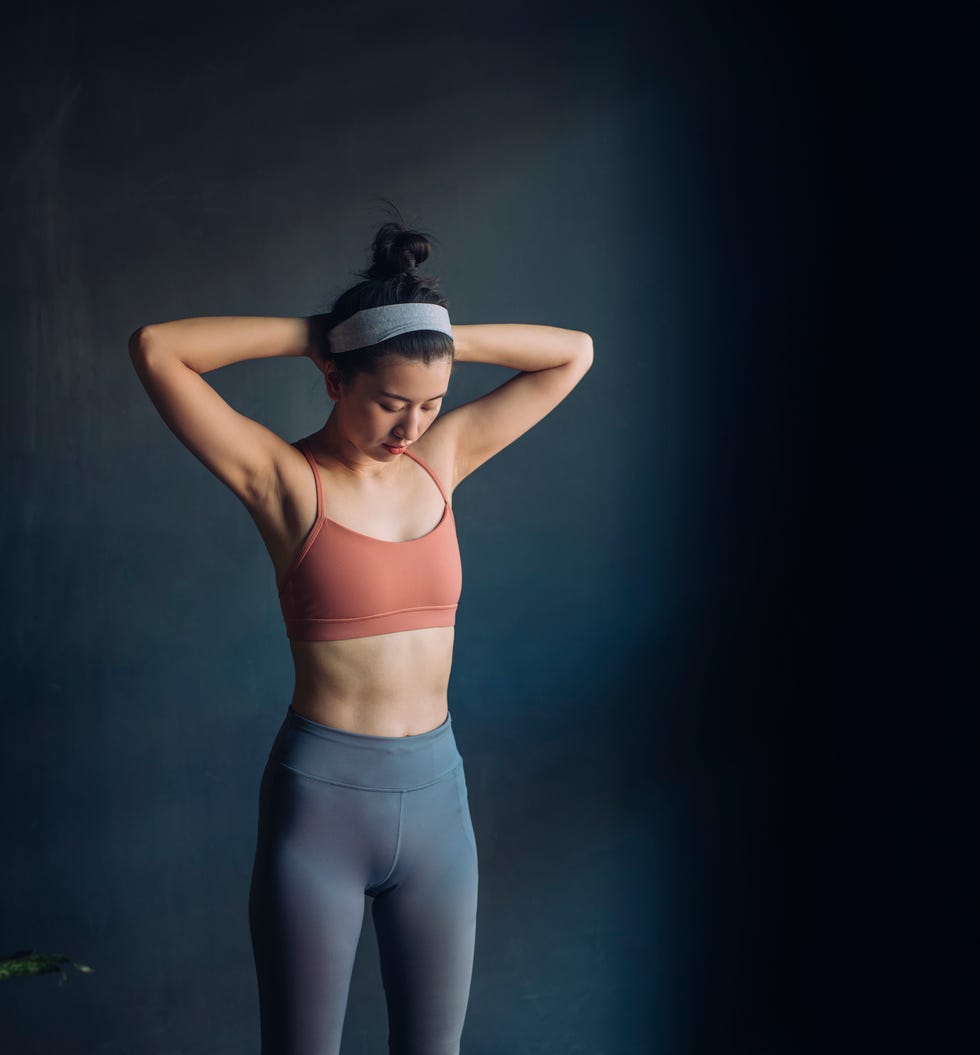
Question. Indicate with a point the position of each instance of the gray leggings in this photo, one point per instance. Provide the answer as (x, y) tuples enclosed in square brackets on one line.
[(342, 815)]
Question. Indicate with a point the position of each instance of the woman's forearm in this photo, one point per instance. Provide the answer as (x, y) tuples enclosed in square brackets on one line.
[(206, 343), (518, 345)]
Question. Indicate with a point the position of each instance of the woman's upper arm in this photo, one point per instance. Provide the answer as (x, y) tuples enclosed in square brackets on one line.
[(240, 451), (482, 427)]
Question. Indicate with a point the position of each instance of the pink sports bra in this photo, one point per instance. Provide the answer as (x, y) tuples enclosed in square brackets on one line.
[(344, 584)]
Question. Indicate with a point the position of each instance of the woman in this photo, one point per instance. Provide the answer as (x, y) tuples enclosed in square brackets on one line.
[(364, 791)]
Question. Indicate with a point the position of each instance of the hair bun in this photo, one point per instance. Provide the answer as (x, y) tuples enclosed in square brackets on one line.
[(397, 250)]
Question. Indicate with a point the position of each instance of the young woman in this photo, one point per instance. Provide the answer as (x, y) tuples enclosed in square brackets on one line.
[(364, 791)]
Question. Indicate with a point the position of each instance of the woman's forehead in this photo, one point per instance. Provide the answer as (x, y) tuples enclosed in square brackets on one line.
[(411, 379)]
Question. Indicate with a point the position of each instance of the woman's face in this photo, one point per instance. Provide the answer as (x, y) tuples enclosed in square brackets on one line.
[(381, 413)]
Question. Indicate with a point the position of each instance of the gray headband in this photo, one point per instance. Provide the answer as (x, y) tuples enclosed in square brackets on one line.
[(372, 325)]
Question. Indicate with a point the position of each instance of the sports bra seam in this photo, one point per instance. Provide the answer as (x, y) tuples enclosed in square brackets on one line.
[(373, 615), (444, 519)]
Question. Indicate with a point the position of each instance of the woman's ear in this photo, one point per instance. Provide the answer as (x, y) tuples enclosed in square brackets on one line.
[(332, 380)]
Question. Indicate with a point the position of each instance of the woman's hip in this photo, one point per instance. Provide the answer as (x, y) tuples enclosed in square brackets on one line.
[(360, 760)]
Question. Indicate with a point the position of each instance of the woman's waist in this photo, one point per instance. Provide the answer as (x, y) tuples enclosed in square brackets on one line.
[(402, 714), (376, 665), (389, 685), (357, 759)]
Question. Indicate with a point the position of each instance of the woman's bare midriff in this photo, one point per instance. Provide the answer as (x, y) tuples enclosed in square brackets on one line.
[(386, 685)]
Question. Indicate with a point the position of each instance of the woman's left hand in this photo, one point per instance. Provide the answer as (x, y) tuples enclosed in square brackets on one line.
[(317, 326)]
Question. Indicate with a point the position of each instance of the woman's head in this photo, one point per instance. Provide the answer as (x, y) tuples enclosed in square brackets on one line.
[(392, 278), (390, 392), (388, 407)]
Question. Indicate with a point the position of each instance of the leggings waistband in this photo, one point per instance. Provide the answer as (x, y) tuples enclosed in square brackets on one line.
[(382, 763)]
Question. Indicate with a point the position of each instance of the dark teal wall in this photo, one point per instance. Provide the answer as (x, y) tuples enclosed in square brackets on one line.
[(693, 671)]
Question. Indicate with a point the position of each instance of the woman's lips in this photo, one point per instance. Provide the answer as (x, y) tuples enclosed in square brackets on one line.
[(394, 450)]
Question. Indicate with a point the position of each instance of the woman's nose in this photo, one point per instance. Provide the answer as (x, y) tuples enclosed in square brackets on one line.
[(408, 428)]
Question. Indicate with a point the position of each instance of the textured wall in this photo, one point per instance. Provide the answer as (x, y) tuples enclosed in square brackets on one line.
[(671, 666)]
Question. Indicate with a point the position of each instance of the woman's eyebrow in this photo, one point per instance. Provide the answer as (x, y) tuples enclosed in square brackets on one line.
[(394, 395)]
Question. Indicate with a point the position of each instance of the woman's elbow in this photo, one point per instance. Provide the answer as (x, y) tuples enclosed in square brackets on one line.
[(136, 340), (139, 341)]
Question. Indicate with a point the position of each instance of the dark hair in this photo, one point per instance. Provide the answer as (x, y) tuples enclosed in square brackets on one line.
[(392, 278)]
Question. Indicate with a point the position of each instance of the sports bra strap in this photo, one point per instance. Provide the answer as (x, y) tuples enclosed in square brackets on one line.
[(316, 476), (428, 469), (319, 482)]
